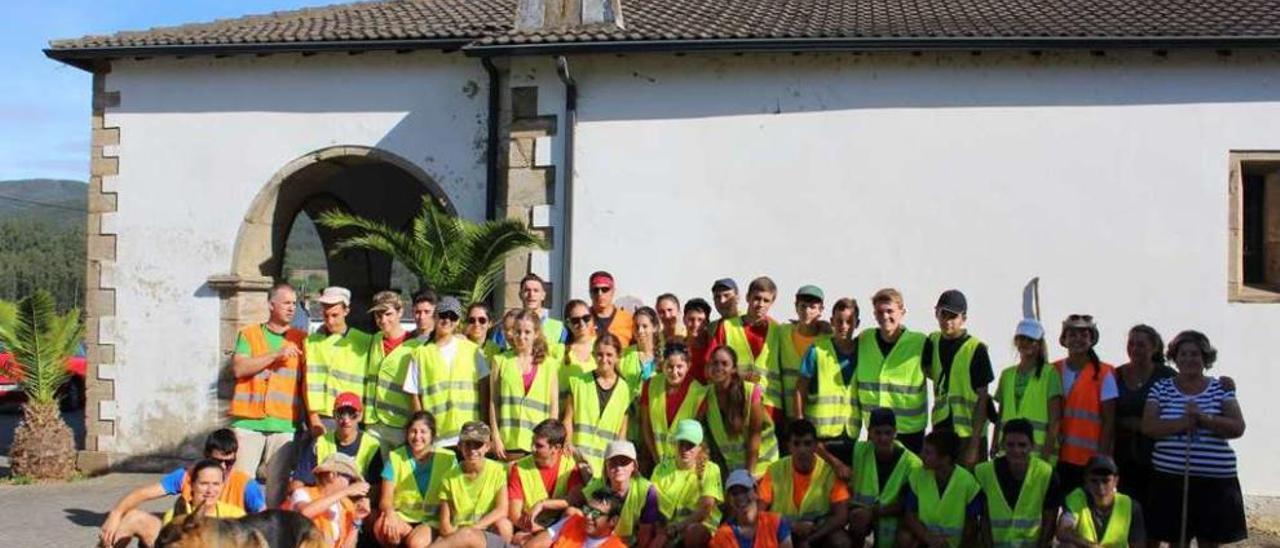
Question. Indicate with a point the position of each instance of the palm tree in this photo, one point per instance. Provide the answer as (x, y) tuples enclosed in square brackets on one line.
[(449, 254), (40, 341)]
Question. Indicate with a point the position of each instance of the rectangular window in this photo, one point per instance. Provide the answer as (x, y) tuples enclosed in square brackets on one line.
[(1255, 227)]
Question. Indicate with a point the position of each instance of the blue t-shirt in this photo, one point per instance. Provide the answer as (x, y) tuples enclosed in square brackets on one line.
[(421, 474), (254, 500), (809, 365)]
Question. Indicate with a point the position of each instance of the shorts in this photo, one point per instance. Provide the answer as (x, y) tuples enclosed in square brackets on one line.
[(492, 540), (1215, 509)]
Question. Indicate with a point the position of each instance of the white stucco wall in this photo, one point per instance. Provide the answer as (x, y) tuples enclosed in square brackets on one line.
[(1106, 177), (200, 138)]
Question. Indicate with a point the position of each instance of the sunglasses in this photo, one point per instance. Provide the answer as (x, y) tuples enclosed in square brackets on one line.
[(447, 317), (600, 290), (580, 320), (346, 413), (1080, 317), (227, 463), (478, 320)]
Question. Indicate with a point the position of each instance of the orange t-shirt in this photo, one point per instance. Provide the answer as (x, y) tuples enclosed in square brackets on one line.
[(800, 486), (802, 342)]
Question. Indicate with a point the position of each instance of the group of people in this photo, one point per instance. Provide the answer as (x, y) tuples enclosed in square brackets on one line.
[(659, 427)]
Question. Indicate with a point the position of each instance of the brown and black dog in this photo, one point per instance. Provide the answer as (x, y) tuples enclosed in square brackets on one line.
[(269, 529)]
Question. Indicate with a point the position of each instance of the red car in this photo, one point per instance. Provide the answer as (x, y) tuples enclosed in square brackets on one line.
[(72, 393)]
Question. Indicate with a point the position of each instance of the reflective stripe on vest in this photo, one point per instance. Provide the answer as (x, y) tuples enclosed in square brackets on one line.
[(679, 491), (816, 501), (1117, 532), (327, 445), (834, 410), (658, 411), (632, 505), (762, 365), (1034, 405), (1017, 524), (570, 367), (866, 486), (734, 448), (413, 505), (518, 411), (274, 391), (449, 391), (471, 499), (787, 363), (956, 400), (1081, 413), (531, 480), (390, 404), (335, 364), (232, 488), (944, 513), (594, 428), (895, 381)]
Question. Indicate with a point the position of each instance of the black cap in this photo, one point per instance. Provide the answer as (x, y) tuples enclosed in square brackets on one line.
[(882, 416), (724, 283), (1101, 464), (952, 300)]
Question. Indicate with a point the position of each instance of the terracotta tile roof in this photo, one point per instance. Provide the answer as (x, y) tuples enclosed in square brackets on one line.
[(681, 24), (464, 20)]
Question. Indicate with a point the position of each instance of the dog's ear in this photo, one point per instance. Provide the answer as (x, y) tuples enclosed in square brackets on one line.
[(194, 518)]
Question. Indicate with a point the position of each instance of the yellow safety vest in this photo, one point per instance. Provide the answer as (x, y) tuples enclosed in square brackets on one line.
[(1017, 524), (570, 367), (335, 364), (389, 404), (658, 411), (520, 411), (763, 365), (1034, 405), (943, 511), (531, 480), (328, 444), (1117, 533), (630, 368), (815, 503), (834, 410), (787, 360), (411, 504), (734, 448), (594, 428), (866, 485), (680, 490), (632, 505), (471, 498), (895, 381), (451, 392), (957, 399)]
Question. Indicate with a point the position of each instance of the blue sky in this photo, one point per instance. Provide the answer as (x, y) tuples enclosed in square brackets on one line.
[(44, 110)]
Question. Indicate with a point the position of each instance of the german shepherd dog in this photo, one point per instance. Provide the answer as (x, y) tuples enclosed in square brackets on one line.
[(268, 529)]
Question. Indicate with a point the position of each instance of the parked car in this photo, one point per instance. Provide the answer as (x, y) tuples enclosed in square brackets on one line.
[(72, 393)]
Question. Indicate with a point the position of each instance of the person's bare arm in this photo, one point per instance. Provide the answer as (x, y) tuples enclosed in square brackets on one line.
[(387, 506), (499, 511), (1228, 425), (1108, 427), (1155, 427), (495, 384), (646, 427), (321, 505), (979, 427), (755, 425), (245, 366), (835, 520), (797, 399), (567, 421), (129, 502), (554, 381), (446, 519)]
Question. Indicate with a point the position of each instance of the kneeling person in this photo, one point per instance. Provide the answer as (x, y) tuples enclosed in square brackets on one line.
[(805, 490), (1021, 490)]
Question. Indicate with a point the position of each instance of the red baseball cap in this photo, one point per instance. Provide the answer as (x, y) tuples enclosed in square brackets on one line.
[(601, 279), (347, 399)]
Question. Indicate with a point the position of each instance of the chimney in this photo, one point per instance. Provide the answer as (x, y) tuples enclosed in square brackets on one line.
[(535, 15)]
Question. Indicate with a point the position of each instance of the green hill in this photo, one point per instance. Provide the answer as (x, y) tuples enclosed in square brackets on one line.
[(42, 242), (50, 201)]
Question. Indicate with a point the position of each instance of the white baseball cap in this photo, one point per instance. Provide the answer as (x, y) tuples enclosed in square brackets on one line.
[(335, 295), (740, 478)]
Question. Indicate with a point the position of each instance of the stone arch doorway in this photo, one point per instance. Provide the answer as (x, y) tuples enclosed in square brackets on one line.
[(366, 181)]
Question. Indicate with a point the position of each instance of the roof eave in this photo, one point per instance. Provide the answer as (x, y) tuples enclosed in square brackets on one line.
[(846, 44), (84, 58)]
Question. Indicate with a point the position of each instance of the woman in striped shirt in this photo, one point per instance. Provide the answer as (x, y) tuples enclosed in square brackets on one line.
[(1191, 416)]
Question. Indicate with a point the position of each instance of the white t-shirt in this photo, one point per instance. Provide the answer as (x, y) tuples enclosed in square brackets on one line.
[(448, 351), (1109, 389), (301, 497)]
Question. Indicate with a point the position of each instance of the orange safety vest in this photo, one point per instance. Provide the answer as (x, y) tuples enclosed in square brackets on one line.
[(276, 391), (232, 488), (322, 521), (574, 535), (1081, 432), (766, 533)]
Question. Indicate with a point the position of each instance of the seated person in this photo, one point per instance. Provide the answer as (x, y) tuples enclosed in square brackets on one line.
[(346, 439), (473, 499), (881, 467), (591, 526), (539, 485), (942, 501), (206, 486), (409, 499), (804, 489), (746, 525), (126, 521), (1096, 515), (338, 501), (641, 519)]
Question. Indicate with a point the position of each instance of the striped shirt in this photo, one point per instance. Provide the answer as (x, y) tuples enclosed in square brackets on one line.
[(1210, 454)]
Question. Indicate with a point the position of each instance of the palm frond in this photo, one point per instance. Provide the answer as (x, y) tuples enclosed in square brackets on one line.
[(8, 311), (486, 247), (40, 341)]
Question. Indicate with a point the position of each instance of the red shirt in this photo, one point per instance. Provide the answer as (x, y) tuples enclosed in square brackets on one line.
[(698, 358), (673, 399), (389, 344), (515, 491), (756, 335)]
